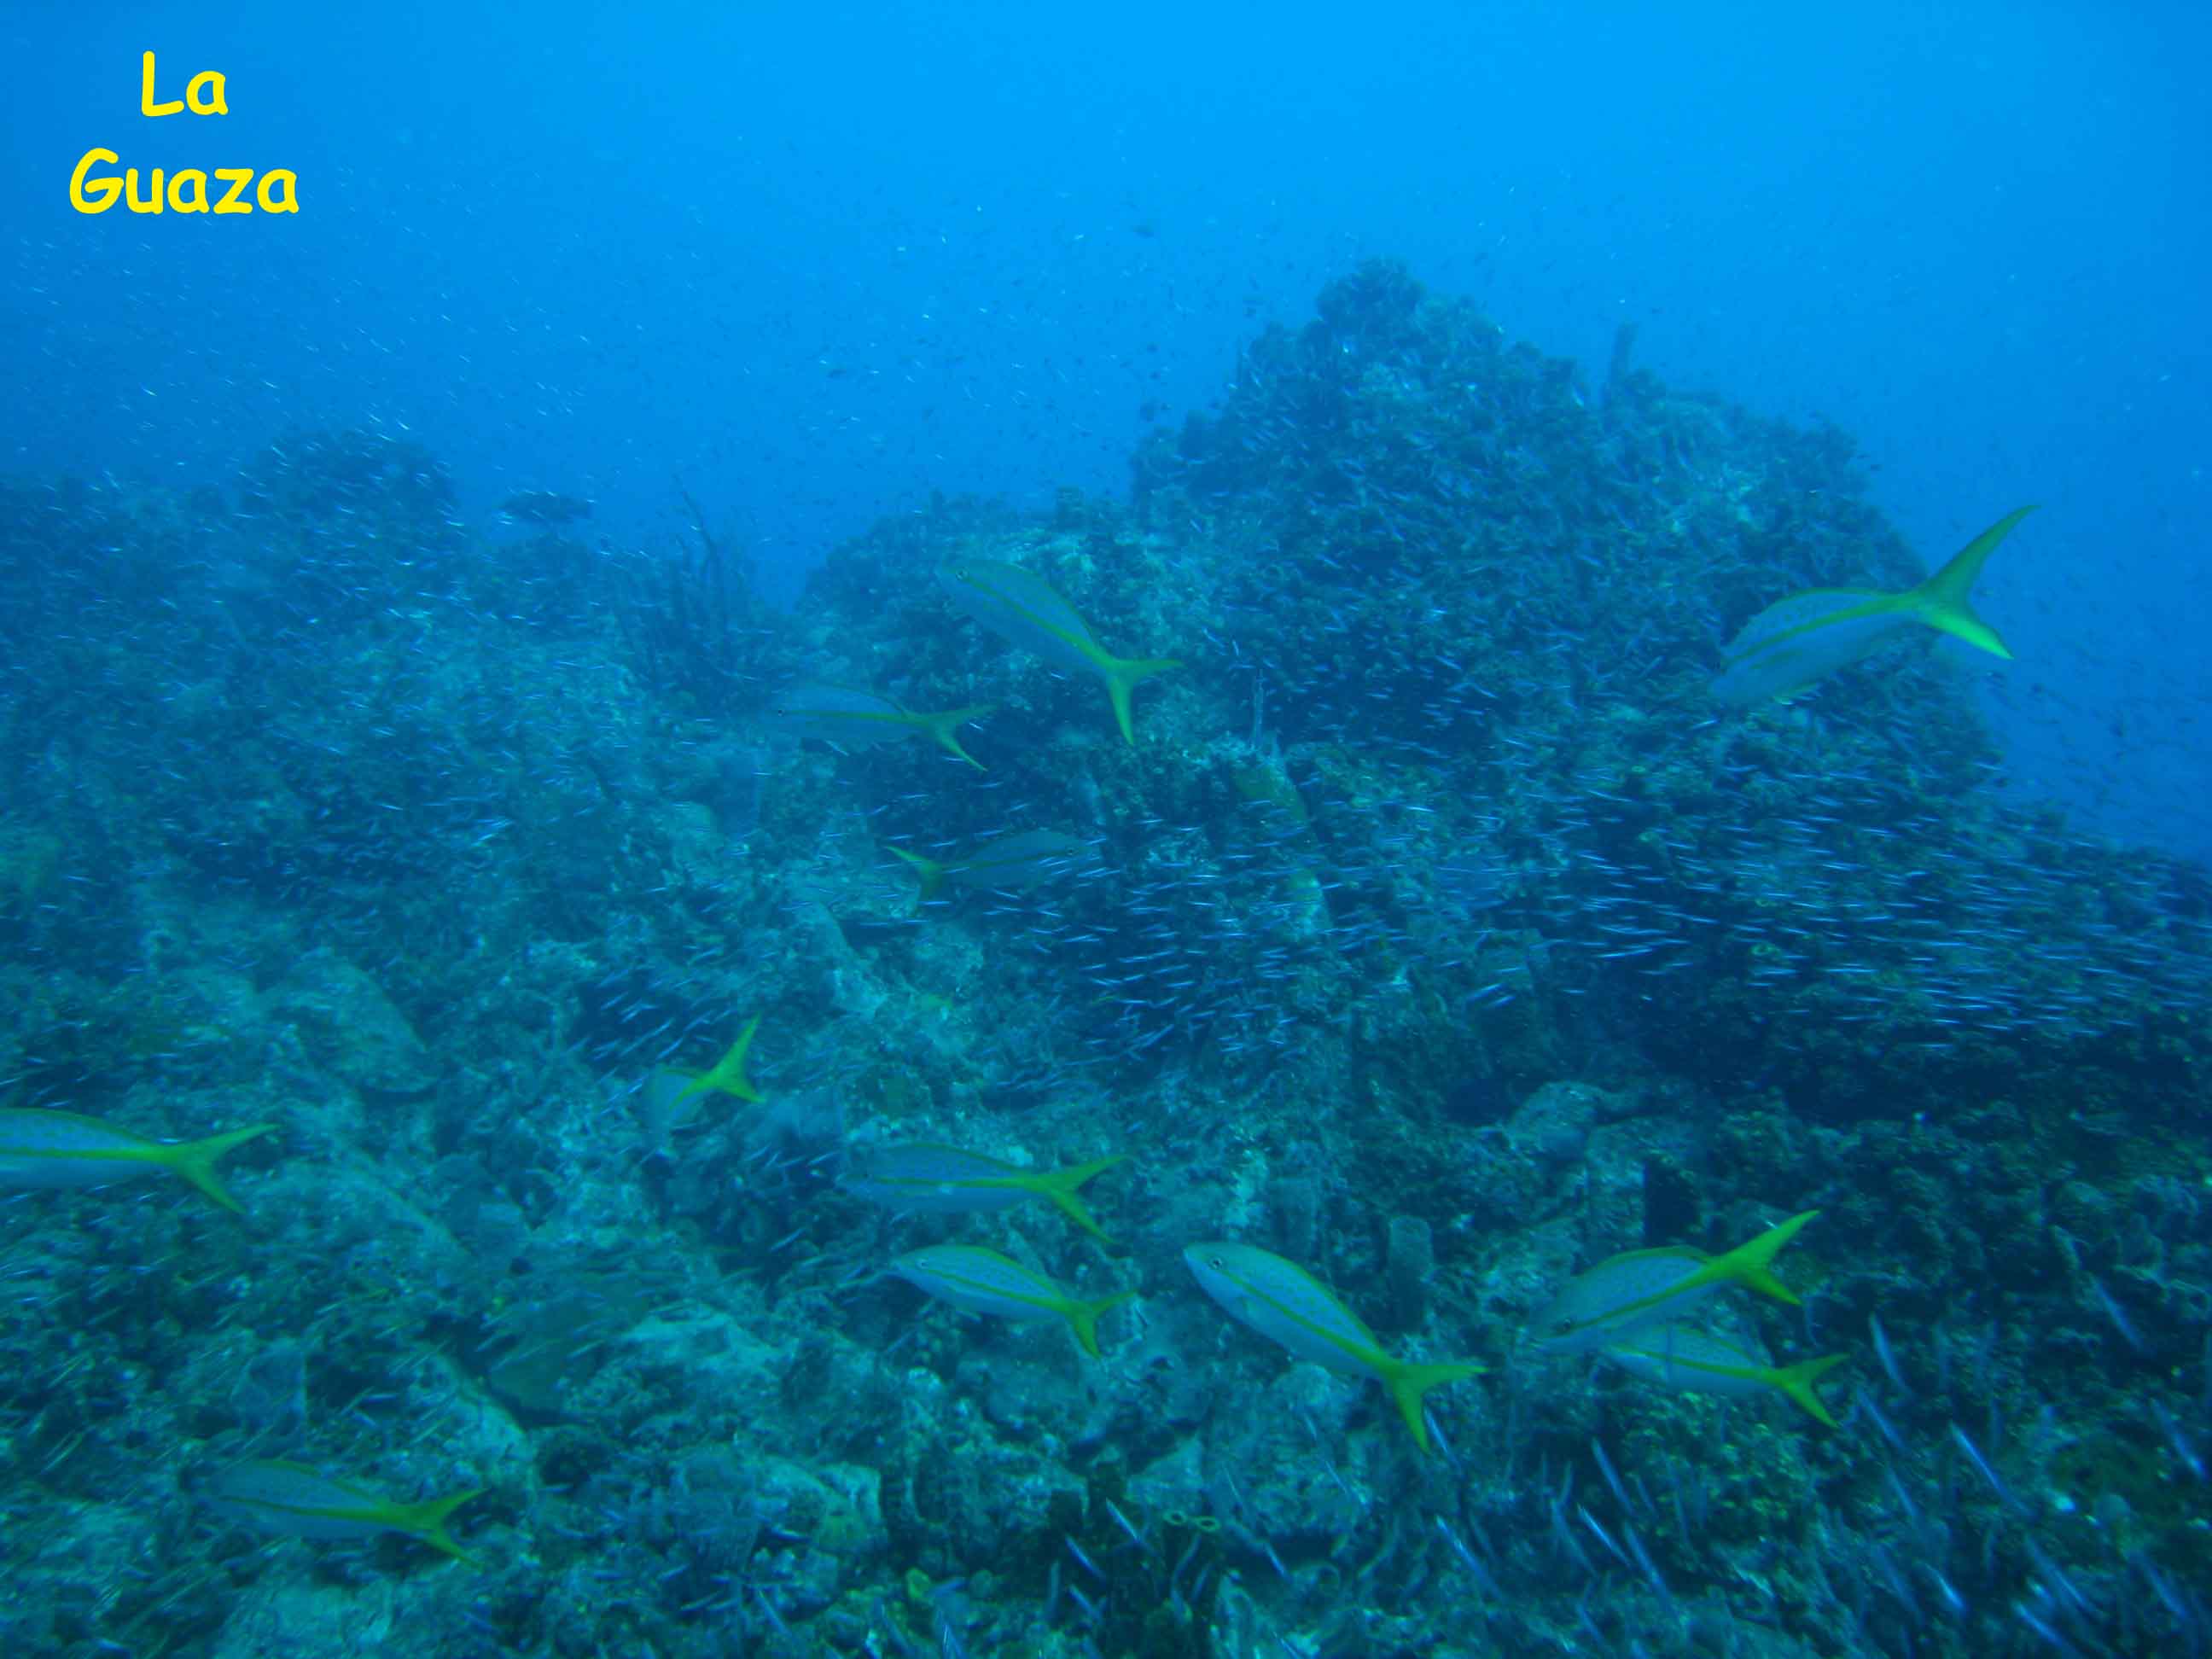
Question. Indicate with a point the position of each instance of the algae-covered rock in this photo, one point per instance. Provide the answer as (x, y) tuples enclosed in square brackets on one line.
[(1436, 931)]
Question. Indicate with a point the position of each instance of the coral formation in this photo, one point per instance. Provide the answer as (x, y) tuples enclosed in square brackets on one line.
[(1437, 931)]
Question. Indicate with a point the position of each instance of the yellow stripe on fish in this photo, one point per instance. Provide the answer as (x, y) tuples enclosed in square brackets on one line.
[(299, 1502), (1013, 863), (838, 714), (977, 1280), (933, 1179), (45, 1149), (1023, 609), (1636, 1288), (1683, 1356), (1802, 638), (1286, 1303)]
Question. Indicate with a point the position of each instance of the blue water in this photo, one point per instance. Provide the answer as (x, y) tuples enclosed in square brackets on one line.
[(821, 261), (1147, 623)]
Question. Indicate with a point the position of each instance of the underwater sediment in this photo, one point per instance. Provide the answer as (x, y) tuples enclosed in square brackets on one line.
[(1432, 930)]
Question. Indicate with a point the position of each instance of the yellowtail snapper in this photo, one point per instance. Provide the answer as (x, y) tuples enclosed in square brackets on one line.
[(937, 1179), (1286, 1303), (1626, 1292), (977, 1280), (844, 714), (44, 1149), (1011, 864), (299, 1502), (1678, 1356), (1809, 635), (1023, 608)]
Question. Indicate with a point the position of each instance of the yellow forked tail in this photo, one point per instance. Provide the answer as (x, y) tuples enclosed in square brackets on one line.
[(945, 728), (427, 1521), (1941, 601), (1123, 674), (1796, 1380), (195, 1160), (1083, 1317), (1750, 1264), (1060, 1185), (1408, 1380), (932, 872), (728, 1073)]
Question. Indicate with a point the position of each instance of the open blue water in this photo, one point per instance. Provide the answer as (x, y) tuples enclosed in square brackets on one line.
[(820, 260)]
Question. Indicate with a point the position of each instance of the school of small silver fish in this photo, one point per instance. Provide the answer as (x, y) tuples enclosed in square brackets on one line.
[(765, 1239)]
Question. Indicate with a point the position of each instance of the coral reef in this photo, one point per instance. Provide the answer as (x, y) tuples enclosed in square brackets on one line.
[(1440, 935)]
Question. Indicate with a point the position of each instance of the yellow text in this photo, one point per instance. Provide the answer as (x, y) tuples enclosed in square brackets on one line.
[(186, 192), (189, 190), (203, 94)]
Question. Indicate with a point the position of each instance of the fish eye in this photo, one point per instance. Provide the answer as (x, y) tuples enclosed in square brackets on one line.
[(1218, 1263)]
